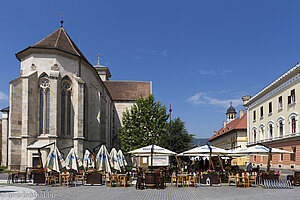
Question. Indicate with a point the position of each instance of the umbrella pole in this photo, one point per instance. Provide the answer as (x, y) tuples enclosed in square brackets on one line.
[(221, 163), (178, 162), (136, 163), (269, 160), (152, 157)]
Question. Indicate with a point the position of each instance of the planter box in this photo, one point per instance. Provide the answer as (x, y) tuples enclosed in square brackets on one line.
[(210, 179), (93, 178), (39, 178), (150, 180), (270, 177)]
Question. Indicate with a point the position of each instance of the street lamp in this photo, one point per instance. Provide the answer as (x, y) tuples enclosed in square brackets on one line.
[(170, 126)]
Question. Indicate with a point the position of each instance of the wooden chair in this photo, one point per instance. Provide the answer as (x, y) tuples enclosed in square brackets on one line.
[(252, 179), (140, 183), (79, 177), (231, 177), (64, 179), (50, 178), (181, 179), (123, 179), (173, 179), (129, 179), (113, 178), (243, 179), (107, 179), (191, 179), (22, 176)]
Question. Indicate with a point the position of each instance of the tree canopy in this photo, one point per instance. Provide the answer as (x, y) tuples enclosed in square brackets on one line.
[(180, 138), (143, 124)]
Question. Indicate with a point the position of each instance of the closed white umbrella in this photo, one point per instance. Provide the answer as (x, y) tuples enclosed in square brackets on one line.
[(54, 162), (102, 160), (71, 160), (88, 160), (114, 160), (121, 159)]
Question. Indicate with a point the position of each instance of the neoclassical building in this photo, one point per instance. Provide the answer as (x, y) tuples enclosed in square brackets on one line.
[(233, 133), (273, 120), (61, 97)]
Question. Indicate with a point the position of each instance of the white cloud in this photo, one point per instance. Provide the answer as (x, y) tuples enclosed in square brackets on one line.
[(151, 52), (3, 97), (206, 72), (213, 72), (164, 53), (203, 98)]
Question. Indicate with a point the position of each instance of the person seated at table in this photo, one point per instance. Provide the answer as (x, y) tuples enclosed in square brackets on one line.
[(249, 167)]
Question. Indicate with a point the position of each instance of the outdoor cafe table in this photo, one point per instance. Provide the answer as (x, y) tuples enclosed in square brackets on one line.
[(182, 177)]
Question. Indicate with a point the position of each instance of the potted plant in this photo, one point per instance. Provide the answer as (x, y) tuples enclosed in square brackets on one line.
[(39, 176), (210, 177), (271, 175), (93, 177)]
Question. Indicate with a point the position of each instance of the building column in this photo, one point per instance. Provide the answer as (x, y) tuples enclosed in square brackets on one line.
[(78, 105), (53, 123), (4, 160)]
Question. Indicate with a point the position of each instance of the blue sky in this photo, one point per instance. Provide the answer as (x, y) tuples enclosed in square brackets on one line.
[(200, 55)]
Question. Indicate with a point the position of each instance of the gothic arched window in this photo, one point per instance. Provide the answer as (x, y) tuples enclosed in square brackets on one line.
[(44, 105), (66, 107)]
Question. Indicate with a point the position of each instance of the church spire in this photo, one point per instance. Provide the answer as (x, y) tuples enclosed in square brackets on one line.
[(98, 55), (61, 21)]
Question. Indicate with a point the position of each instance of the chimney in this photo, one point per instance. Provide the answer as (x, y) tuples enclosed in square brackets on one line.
[(224, 124), (241, 113), (245, 101)]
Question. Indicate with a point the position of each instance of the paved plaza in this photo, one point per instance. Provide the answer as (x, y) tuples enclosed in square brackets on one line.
[(106, 193)]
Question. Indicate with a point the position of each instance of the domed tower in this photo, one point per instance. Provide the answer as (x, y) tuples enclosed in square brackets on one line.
[(231, 113)]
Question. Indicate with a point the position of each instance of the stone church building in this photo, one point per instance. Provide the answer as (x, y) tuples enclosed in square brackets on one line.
[(61, 97)]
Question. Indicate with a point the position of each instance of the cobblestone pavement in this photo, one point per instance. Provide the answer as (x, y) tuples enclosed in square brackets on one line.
[(130, 193), (8, 192)]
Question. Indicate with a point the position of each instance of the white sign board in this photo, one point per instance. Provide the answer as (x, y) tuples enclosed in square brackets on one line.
[(159, 160)]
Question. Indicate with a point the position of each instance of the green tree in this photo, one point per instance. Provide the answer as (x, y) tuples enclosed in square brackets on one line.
[(143, 124), (180, 138)]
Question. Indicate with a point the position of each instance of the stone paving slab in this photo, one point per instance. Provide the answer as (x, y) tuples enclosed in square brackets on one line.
[(170, 193)]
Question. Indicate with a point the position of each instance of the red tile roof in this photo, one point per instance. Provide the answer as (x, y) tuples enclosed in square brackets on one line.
[(128, 90), (237, 124)]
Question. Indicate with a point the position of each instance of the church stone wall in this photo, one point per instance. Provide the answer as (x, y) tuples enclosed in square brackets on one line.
[(15, 124)]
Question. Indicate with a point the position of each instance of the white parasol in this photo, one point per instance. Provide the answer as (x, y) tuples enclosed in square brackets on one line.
[(146, 151), (102, 160), (54, 162), (204, 150), (71, 160), (121, 158), (114, 160), (88, 160)]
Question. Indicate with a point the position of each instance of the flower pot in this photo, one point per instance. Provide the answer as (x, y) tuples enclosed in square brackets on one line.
[(38, 178), (210, 179), (94, 178)]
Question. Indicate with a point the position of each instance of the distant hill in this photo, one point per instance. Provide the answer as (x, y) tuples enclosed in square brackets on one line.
[(199, 141)]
